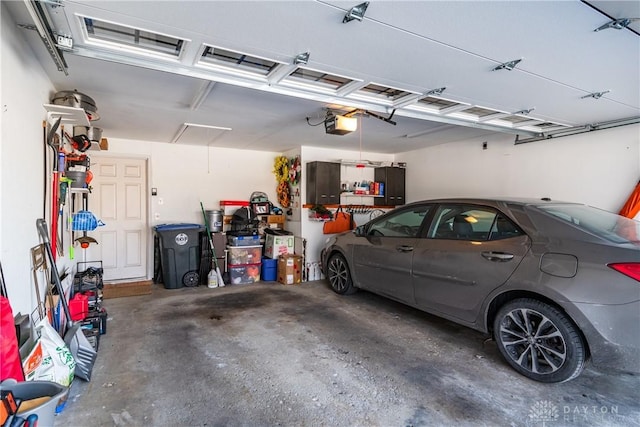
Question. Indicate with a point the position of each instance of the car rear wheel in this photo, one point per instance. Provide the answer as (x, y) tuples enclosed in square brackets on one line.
[(339, 275), (539, 341)]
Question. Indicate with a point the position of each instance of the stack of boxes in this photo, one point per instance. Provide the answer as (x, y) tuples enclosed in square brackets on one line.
[(278, 252), (280, 258)]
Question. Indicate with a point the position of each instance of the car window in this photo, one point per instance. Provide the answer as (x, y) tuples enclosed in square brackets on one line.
[(404, 223), (606, 225), (463, 222), (504, 228)]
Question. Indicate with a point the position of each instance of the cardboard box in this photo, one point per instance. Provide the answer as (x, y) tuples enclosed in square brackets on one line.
[(274, 245), (289, 269)]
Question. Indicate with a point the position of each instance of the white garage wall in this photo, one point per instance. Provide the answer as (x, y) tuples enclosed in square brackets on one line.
[(184, 175), (25, 88), (598, 168)]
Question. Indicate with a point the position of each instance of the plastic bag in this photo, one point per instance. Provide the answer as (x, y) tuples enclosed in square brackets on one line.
[(50, 359)]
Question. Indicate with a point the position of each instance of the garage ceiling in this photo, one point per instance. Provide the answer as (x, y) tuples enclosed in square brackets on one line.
[(439, 70)]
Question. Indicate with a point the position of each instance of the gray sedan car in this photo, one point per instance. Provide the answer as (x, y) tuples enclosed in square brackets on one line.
[(556, 284)]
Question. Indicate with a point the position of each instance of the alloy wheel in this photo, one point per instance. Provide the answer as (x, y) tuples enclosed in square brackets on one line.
[(533, 341), (339, 275)]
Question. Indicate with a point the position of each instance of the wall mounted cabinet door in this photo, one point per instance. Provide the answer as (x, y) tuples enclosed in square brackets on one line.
[(394, 186), (323, 183)]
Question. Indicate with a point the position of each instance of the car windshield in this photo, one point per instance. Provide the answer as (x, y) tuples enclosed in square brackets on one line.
[(606, 225)]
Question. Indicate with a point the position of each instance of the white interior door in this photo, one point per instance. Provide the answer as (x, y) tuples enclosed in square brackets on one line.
[(118, 198)]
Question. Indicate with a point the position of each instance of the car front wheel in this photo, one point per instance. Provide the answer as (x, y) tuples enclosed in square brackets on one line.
[(339, 275), (539, 341)]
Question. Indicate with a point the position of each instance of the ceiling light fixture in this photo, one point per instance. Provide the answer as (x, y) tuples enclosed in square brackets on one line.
[(595, 95), (302, 58), (507, 65), (184, 127), (617, 24), (356, 12)]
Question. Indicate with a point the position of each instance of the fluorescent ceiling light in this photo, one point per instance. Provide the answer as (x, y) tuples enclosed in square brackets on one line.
[(184, 127), (207, 126)]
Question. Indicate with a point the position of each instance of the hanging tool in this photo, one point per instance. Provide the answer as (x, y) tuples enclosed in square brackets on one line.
[(54, 186), (81, 349), (217, 277), (85, 241), (65, 185)]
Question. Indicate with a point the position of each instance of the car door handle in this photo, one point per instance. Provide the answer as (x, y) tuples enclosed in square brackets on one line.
[(404, 248), (497, 256)]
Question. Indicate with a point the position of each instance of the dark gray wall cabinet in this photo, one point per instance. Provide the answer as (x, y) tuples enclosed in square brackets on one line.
[(323, 183), (394, 186)]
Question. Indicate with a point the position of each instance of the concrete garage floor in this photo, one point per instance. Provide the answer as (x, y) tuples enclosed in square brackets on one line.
[(267, 354)]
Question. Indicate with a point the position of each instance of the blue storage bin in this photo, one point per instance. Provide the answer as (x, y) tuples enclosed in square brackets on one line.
[(269, 271)]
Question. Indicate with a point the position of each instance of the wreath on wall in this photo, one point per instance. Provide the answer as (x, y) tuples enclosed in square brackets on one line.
[(294, 171), (281, 171)]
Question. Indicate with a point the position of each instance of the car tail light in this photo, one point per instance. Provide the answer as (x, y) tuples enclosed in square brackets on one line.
[(631, 269)]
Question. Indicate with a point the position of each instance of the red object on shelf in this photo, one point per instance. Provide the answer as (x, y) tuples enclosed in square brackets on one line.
[(234, 203), (79, 307)]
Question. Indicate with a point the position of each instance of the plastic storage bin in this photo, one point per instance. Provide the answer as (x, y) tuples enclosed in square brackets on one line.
[(252, 240), (243, 274), (269, 270), (179, 253), (244, 254), (29, 390)]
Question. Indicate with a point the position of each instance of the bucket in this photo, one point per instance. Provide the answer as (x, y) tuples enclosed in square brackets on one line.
[(215, 220), (269, 270), (79, 179), (38, 397)]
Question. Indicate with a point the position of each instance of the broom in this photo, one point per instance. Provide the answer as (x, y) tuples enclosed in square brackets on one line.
[(219, 281)]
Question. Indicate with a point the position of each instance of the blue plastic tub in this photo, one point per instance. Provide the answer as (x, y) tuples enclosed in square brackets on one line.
[(269, 271)]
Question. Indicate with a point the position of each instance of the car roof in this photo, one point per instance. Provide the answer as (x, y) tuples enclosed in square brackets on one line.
[(497, 200)]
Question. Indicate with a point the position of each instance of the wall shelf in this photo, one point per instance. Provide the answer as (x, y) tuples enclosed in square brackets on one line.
[(69, 115), (350, 194)]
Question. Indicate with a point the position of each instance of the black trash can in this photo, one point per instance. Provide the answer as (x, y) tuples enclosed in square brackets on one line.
[(179, 254)]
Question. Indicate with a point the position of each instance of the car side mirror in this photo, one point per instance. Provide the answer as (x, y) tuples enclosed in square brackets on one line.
[(359, 231)]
